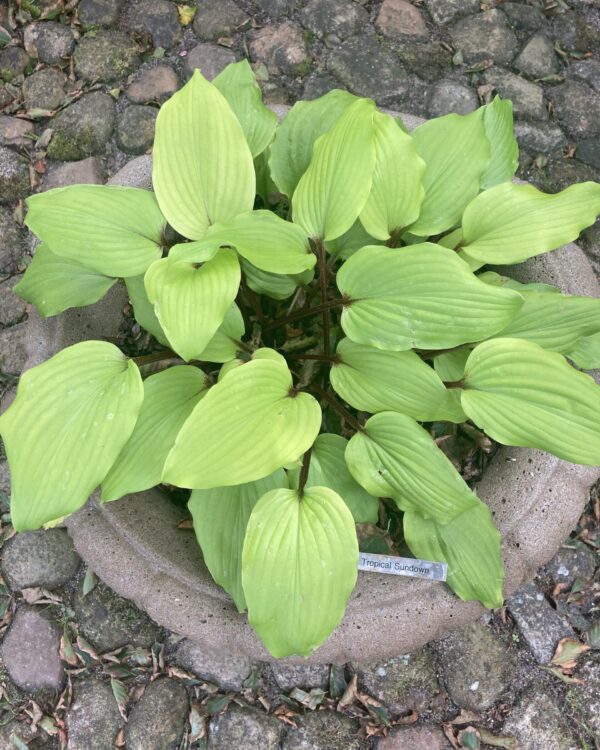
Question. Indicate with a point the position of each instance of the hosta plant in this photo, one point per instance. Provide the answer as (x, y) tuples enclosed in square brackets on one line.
[(325, 308)]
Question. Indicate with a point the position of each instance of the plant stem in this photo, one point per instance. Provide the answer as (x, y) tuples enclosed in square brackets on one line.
[(323, 284), (336, 406), (304, 472), (146, 359), (298, 315)]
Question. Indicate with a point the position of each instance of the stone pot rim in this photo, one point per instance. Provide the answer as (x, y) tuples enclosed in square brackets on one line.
[(136, 547)]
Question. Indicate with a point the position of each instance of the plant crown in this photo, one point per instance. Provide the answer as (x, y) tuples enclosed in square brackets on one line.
[(318, 293)]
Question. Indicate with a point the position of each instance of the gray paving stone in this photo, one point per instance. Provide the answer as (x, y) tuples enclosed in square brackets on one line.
[(403, 683), (587, 71), (39, 558), (540, 626), (338, 17), (588, 151), (281, 48), (12, 241), (44, 89), (446, 11), (14, 176), (243, 729), (485, 36), (527, 97), (217, 18), (88, 171), (154, 84), (398, 18), (209, 58), (13, 309), (30, 651), (368, 68), (539, 137), (476, 666), (228, 672), (51, 42), (93, 720), (135, 128), (105, 56), (538, 723), (13, 62), (83, 128), (14, 131), (12, 349), (451, 96), (569, 563), (577, 108), (108, 621), (524, 17), (99, 12), (575, 32), (537, 58), (278, 8), (429, 60), (588, 692), (415, 738), (157, 721), (160, 19), (318, 730), (305, 676)]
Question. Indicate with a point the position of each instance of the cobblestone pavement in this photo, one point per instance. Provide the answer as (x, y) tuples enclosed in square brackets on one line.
[(80, 85)]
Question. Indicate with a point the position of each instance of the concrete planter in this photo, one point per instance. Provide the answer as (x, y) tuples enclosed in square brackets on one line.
[(134, 544)]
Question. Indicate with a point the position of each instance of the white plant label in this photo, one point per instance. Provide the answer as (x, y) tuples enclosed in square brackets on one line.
[(402, 566)]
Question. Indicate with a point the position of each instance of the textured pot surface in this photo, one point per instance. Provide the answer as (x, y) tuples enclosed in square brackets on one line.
[(134, 544)]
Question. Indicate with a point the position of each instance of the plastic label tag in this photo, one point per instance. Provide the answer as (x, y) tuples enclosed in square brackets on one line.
[(402, 566)]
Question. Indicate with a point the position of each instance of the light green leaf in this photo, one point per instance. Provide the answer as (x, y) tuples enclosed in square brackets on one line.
[(70, 419), (335, 187), (470, 544), (238, 85), (224, 345), (191, 302), (202, 167), (327, 468), (421, 296), (397, 192), (586, 352), (491, 277), (143, 310), (169, 398), (510, 223), (521, 394), (116, 231), (504, 156), (554, 321), (53, 283), (220, 519), (457, 152), (276, 286), (261, 237), (374, 380), (395, 457), (299, 566), (450, 366), (348, 243), (292, 149), (248, 425)]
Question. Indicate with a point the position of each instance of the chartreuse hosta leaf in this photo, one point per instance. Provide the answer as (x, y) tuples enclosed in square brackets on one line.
[(306, 121), (348, 243), (248, 425), (470, 544), (504, 150), (521, 394), (224, 345), (450, 366), (191, 302), (71, 417), (53, 283), (238, 85), (374, 380), (202, 166), (276, 286), (335, 187), (143, 310), (261, 237), (220, 519), (554, 321), (397, 192), (327, 468), (169, 398), (116, 231), (299, 566), (457, 152), (496, 279), (395, 457), (510, 223), (586, 352), (422, 296)]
